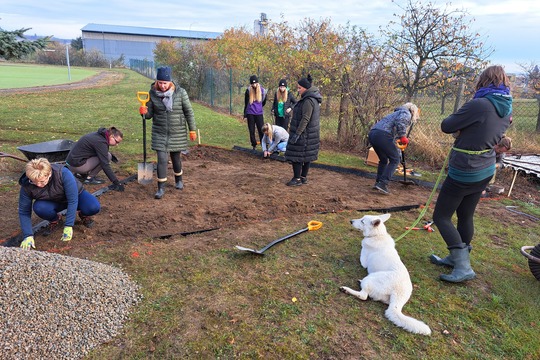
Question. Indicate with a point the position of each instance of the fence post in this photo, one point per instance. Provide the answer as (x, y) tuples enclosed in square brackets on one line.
[(230, 91)]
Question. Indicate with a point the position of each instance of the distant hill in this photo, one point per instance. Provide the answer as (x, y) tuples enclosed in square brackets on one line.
[(35, 37)]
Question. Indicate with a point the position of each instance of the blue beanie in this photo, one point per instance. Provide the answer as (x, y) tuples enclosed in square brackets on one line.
[(164, 73)]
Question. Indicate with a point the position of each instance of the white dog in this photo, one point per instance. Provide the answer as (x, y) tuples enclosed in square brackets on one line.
[(388, 280)]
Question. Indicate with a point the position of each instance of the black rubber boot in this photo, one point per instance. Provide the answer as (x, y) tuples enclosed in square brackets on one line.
[(178, 182), (161, 190), (462, 266), (447, 261)]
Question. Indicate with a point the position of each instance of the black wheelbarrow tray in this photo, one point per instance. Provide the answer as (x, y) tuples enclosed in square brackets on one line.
[(534, 259), (54, 150)]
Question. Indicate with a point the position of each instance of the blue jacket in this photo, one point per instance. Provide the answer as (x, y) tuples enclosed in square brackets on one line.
[(395, 123), (62, 188)]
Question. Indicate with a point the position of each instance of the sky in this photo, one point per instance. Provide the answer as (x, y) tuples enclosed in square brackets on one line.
[(510, 27)]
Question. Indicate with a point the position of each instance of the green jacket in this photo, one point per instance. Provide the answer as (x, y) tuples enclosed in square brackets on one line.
[(170, 129)]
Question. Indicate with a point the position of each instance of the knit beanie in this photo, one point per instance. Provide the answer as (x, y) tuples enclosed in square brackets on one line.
[(283, 82), (253, 79), (164, 73), (305, 82)]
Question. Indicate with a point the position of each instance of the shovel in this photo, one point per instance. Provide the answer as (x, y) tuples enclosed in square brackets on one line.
[(312, 225), (402, 147), (145, 171)]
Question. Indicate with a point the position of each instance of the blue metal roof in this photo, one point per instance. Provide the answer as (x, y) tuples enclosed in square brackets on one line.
[(137, 30)]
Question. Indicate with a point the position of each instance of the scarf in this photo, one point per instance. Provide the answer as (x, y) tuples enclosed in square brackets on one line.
[(492, 89), (166, 98)]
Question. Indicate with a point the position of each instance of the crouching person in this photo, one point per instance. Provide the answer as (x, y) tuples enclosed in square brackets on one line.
[(49, 189), (274, 139)]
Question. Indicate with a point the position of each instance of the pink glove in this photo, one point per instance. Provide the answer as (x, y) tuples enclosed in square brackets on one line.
[(404, 140), (143, 110)]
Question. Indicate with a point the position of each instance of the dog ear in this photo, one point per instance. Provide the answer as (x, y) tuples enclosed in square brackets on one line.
[(385, 217), (376, 222)]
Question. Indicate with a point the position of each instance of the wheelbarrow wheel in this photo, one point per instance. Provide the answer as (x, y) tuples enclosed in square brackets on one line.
[(533, 259)]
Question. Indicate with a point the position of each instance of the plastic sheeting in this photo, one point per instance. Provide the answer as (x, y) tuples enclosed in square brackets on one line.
[(530, 164)]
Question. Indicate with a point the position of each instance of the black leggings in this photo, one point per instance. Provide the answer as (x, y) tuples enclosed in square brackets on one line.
[(460, 198), (300, 169), (162, 164)]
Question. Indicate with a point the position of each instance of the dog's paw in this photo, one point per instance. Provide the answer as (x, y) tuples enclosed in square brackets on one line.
[(343, 289)]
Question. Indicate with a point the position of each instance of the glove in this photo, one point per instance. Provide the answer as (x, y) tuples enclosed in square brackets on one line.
[(403, 140), (293, 139), (143, 110), (114, 159), (192, 135), (68, 233), (117, 186), (28, 243)]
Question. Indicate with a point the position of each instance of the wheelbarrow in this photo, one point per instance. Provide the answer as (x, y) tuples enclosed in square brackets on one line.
[(533, 259), (54, 150)]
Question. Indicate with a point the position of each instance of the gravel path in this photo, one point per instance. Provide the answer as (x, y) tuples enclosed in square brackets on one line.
[(58, 307)]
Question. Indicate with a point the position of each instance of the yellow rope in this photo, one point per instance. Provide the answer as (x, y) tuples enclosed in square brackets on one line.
[(430, 198)]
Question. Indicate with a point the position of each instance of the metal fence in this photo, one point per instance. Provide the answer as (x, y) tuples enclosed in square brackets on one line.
[(224, 90)]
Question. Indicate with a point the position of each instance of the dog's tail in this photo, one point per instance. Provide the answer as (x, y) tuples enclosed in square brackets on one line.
[(394, 314)]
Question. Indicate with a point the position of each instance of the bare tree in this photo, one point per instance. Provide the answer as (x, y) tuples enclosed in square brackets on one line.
[(532, 79), (429, 45)]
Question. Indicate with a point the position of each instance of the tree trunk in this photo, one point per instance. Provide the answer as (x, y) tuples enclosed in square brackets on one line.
[(459, 95), (344, 116)]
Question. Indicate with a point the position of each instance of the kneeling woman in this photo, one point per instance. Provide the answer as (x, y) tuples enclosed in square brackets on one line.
[(274, 139), (50, 189)]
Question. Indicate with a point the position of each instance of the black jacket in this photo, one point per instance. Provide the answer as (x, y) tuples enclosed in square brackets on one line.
[(306, 124), (90, 145)]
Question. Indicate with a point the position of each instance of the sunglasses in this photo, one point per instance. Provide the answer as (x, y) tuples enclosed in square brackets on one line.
[(116, 141)]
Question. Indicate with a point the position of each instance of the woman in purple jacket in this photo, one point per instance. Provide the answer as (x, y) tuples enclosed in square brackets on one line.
[(255, 99)]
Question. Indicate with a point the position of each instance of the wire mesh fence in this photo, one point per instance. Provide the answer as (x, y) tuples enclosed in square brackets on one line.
[(224, 90)]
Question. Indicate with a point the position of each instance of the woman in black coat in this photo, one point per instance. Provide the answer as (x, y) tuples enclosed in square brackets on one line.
[(304, 139)]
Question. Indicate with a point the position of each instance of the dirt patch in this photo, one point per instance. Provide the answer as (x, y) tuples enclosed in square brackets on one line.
[(225, 189)]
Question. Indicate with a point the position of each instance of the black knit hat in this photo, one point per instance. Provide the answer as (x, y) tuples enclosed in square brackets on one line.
[(305, 82), (164, 73), (283, 82), (253, 79)]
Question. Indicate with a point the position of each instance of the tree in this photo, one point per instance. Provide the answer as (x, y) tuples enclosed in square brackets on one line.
[(77, 44), (430, 45), (532, 79), (13, 44)]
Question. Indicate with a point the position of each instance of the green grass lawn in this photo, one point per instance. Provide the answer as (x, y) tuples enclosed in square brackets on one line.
[(495, 317), (23, 75)]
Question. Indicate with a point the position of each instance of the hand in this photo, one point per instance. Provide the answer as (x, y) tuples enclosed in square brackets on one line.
[(114, 159), (293, 139), (117, 186), (143, 110), (266, 153), (403, 140), (68, 233), (28, 243), (192, 135)]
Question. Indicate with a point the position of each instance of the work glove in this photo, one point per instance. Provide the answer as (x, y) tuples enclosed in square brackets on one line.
[(403, 140), (114, 159), (117, 186), (293, 139), (192, 135), (143, 110), (68, 233), (28, 243)]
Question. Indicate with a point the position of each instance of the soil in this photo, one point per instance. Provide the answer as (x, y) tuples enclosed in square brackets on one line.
[(226, 189), (229, 190)]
